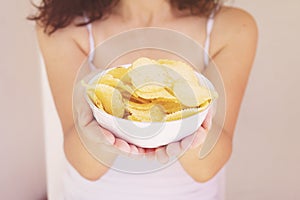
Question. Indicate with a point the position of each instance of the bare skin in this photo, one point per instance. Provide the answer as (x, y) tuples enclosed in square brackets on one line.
[(233, 46)]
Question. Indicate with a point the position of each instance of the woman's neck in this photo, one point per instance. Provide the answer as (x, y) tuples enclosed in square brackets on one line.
[(145, 12)]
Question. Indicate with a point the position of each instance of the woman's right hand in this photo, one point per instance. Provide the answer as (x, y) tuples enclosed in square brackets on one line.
[(96, 139)]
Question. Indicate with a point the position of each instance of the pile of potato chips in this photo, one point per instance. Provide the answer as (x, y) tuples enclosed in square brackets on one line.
[(151, 90)]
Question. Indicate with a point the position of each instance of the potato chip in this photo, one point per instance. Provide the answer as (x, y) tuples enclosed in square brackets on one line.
[(134, 98), (204, 105), (94, 98), (108, 79), (120, 73), (154, 114), (191, 95), (152, 74), (162, 94), (142, 62), (143, 117), (179, 71), (133, 118), (182, 114), (111, 100), (157, 113), (138, 106), (169, 106), (150, 88)]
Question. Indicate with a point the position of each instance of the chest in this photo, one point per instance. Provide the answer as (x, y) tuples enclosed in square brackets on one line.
[(194, 27), (191, 27)]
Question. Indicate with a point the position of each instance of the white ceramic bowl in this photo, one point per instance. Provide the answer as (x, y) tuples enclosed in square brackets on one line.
[(150, 134)]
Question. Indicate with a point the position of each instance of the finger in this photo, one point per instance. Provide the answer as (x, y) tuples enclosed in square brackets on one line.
[(173, 149), (109, 136), (199, 138), (141, 150), (97, 134), (161, 155), (122, 145), (186, 142), (150, 153), (134, 150)]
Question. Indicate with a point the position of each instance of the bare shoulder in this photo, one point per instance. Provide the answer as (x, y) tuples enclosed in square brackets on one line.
[(72, 34), (235, 14), (235, 18), (233, 24)]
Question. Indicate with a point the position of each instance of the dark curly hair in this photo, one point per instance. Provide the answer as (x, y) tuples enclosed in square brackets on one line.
[(56, 14)]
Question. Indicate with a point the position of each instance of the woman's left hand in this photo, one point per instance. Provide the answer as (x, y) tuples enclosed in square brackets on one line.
[(193, 141)]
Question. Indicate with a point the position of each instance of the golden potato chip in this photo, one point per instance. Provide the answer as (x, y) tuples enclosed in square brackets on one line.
[(154, 114), (150, 88), (135, 98), (191, 95), (169, 106), (204, 105), (137, 112), (133, 118), (152, 74), (138, 106), (157, 113), (142, 117), (182, 114), (111, 100), (120, 73), (179, 70), (108, 79), (94, 98), (141, 62), (163, 94)]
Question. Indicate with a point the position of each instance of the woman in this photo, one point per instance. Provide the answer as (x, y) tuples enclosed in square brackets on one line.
[(67, 32)]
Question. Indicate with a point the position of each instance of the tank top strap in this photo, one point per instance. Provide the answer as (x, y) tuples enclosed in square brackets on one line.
[(209, 28), (91, 44)]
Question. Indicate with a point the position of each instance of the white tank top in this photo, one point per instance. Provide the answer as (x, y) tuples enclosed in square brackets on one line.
[(170, 183)]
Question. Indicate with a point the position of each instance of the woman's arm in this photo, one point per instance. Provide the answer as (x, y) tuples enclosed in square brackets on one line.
[(63, 56), (234, 62)]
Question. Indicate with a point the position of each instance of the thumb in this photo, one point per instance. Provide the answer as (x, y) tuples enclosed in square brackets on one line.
[(94, 132)]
